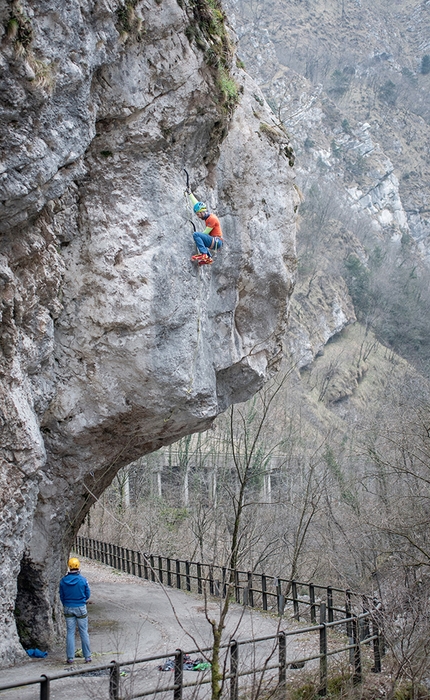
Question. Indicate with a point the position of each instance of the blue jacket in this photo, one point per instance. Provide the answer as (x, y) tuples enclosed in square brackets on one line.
[(74, 590)]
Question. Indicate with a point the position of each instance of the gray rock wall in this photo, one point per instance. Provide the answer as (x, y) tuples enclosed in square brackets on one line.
[(113, 343)]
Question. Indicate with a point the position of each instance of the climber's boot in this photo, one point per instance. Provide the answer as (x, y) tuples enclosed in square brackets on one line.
[(206, 260)]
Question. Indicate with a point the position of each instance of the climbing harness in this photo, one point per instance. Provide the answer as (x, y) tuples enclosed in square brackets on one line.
[(217, 243)]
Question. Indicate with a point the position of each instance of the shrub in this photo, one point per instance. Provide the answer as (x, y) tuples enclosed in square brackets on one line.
[(425, 64), (228, 87), (18, 28), (388, 92)]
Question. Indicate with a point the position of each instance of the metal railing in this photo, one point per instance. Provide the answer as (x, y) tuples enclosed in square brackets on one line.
[(275, 670), (256, 590)]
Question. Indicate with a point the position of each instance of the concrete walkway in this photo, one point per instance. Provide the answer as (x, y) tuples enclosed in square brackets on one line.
[(130, 618)]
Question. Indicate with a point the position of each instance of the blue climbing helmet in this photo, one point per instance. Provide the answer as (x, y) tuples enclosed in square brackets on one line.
[(199, 206)]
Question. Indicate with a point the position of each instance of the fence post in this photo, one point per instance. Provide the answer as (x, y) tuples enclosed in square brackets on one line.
[(250, 591), (187, 575), (114, 681), (139, 564), (312, 602), (211, 579), (160, 568), (152, 563), (264, 590), (378, 616), (357, 652), (179, 674), (365, 623), (348, 615), (133, 562), (169, 573), (224, 581), (330, 604), (323, 652), (348, 612), (45, 690), (282, 659), (178, 574), (281, 598), (236, 587), (234, 668), (376, 647), (199, 577), (295, 600), (245, 600)]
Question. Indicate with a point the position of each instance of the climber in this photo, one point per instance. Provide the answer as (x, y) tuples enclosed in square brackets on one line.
[(210, 238), (74, 595)]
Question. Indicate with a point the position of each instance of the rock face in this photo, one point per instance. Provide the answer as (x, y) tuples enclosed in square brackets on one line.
[(112, 342)]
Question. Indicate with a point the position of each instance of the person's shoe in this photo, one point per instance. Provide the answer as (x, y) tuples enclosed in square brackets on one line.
[(199, 256), (69, 661), (206, 260), (88, 660)]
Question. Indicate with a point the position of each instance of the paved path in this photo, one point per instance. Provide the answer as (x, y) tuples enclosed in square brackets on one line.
[(130, 618)]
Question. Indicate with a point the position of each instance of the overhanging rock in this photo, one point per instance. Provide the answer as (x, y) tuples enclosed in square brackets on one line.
[(113, 343)]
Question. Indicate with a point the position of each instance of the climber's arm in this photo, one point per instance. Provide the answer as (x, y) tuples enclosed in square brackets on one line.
[(192, 198), (207, 230)]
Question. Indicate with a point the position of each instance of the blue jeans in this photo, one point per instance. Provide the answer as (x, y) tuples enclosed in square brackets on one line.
[(203, 242), (80, 616)]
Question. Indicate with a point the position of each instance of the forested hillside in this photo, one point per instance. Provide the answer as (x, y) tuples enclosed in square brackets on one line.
[(350, 81)]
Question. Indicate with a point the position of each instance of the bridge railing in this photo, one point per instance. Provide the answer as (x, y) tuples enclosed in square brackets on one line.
[(268, 661), (250, 588)]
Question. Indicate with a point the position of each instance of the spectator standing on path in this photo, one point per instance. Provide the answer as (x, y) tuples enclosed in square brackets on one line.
[(74, 595)]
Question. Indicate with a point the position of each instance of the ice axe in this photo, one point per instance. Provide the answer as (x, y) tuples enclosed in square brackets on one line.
[(188, 180), (189, 190)]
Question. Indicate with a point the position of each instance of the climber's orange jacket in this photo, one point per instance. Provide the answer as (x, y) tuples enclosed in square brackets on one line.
[(213, 226)]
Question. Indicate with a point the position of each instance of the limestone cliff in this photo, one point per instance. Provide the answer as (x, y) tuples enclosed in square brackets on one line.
[(112, 343)]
